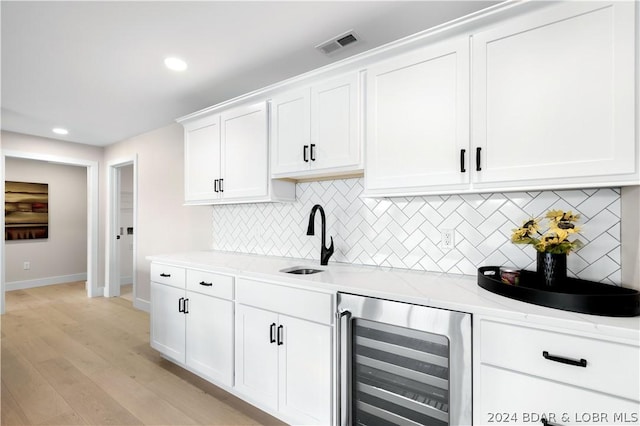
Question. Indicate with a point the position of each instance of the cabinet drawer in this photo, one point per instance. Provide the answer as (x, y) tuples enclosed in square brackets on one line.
[(513, 398), (165, 274), (210, 283), (311, 305), (610, 367)]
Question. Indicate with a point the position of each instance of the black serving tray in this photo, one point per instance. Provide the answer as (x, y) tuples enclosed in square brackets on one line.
[(573, 295)]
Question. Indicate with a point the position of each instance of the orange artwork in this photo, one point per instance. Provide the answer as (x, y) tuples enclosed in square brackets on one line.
[(26, 211)]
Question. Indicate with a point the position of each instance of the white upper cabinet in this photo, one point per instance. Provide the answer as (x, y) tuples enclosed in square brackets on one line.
[(554, 97), (314, 130), (552, 105), (244, 151), (290, 132), (418, 120), (202, 159), (227, 158)]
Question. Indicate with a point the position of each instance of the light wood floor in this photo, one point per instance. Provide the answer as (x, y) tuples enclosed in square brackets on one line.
[(70, 360)]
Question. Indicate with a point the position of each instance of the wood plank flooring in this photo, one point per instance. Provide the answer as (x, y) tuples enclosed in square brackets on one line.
[(70, 360)]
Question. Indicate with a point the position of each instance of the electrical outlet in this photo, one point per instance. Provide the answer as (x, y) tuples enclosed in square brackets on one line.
[(447, 239), (26, 266)]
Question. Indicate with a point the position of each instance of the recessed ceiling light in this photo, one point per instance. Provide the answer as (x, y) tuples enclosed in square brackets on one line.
[(60, 131), (175, 64)]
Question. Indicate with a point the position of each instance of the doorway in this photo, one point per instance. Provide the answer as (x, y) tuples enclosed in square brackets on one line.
[(91, 285), (121, 229)]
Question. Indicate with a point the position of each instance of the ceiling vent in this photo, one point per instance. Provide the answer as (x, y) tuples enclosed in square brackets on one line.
[(337, 43)]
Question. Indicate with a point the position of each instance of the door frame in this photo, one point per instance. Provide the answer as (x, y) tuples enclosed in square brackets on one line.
[(112, 259), (93, 194)]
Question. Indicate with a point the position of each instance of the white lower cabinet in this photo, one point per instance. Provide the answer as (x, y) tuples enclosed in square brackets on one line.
[(167, 321), (209, 337), (284, 363), (193, 328), (523, 373)]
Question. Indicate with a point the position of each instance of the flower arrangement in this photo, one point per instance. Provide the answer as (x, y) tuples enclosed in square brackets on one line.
[(556, 239)]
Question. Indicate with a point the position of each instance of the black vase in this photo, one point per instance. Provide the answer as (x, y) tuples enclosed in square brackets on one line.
[(552, 268)]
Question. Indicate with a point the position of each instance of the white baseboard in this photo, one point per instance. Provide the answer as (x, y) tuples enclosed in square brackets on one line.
[(143, 305), (126, 280), (41, 282)]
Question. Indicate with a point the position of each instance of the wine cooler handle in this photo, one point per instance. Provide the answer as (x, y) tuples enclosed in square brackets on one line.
[(344, 377)]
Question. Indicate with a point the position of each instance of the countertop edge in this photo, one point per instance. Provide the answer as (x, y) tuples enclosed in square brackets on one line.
[(409, 286)]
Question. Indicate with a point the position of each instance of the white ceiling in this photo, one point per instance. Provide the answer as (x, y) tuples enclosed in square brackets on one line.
[(97, 69)]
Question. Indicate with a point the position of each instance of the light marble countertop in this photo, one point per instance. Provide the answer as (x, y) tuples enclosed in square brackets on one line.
[(447, 291)]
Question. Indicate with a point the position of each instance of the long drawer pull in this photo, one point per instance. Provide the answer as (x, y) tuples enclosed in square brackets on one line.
[(165, 275), (206, 284), (578, 363)]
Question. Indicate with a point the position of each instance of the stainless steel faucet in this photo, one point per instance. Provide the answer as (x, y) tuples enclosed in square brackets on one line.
[(325, 252)]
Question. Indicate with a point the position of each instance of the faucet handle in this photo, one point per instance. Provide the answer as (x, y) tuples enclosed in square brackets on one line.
[(326, 253)]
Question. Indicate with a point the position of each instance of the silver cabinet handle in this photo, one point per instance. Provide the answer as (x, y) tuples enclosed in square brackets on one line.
[(344, 380)]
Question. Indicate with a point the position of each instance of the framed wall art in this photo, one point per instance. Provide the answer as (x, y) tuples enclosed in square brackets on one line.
[(26, 211)]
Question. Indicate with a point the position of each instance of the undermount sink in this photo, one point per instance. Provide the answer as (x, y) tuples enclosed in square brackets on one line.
[(301, 270)]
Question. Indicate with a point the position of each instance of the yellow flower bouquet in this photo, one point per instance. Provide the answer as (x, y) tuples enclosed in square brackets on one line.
[(556, 239)]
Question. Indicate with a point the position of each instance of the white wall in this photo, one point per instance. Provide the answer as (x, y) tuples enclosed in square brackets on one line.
[(63, 255), (165, 225)]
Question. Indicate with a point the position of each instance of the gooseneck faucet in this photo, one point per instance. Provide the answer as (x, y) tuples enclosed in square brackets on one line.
[(325, 252)]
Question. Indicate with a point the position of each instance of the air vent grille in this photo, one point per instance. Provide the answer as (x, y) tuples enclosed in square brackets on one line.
[(337, 42)]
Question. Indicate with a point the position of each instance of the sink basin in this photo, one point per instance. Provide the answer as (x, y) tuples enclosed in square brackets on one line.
[(574, 294), (301, 270)]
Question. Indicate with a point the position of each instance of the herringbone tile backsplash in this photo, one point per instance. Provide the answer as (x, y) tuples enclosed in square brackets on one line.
[(406, 232)]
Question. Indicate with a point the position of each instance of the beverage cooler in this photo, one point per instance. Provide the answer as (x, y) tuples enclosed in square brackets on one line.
[(402, 364)]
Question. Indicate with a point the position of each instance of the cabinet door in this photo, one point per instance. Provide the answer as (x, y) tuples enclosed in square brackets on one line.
[(507, 397), (335, 122), (209, 331), (290, 131), (305, 360), (417, 118), (554, 94), (167, 323), (245, 158), (257, 355), (202, 159)]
